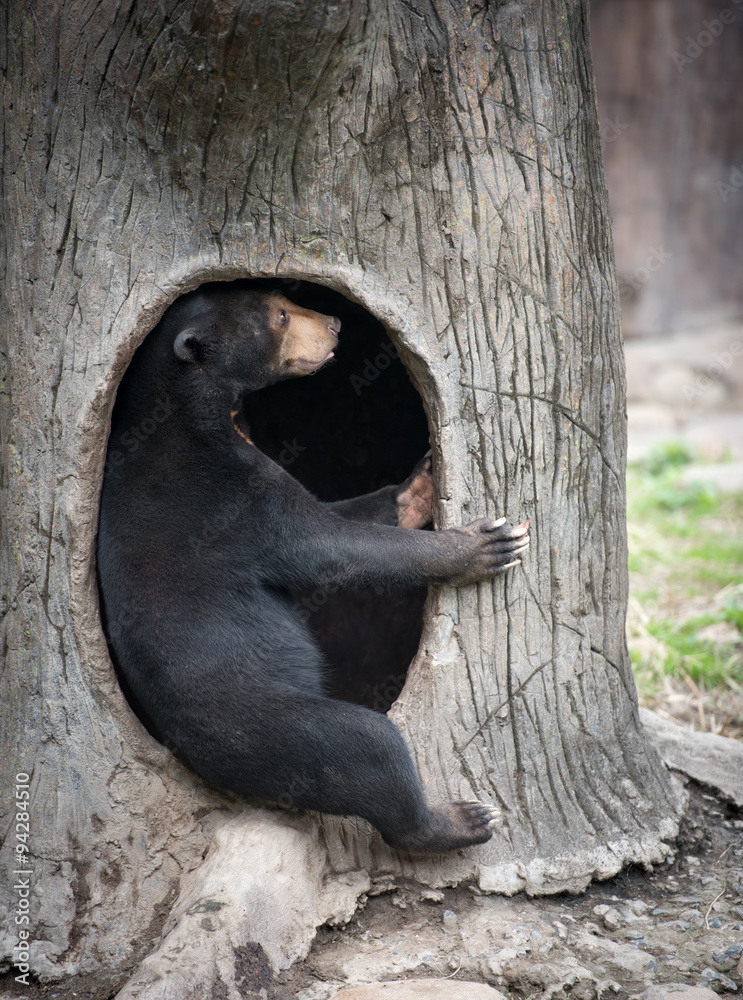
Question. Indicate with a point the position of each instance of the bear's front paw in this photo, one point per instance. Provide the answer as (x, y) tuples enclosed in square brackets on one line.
[(415, 499), (493, 547)]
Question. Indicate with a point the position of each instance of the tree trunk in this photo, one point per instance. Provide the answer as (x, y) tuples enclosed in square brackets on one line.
[(438, 163)]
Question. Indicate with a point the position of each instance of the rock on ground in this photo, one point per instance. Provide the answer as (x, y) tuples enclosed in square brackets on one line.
[(422, 989), (679, 991), (714, 761), (254, 903)]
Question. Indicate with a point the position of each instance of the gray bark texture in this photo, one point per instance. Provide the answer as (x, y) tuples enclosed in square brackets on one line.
[(440, 164)]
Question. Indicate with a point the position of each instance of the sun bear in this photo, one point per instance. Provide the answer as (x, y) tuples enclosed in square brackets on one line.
[(202, 539)]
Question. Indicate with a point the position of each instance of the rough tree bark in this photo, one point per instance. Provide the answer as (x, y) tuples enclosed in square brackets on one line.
[(440, 164)]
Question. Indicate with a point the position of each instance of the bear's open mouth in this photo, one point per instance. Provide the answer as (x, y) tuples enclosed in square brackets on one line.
[(305, 365)]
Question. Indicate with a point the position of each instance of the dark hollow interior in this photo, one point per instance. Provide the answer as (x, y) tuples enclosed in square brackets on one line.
[(353, 427)]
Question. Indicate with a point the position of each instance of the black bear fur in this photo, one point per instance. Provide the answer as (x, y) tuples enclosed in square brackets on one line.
[(202, 539)]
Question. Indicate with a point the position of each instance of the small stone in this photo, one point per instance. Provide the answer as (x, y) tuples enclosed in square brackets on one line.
[(612, 919), (562, 931), (676, 925), (712, 976), (420, 989), (450, 920), (381, 885), (634, 935), (432, 896), (679, 965), (501, 960), (638, 907), (728, 959), (715, 922), (559, 976), (691, 860), (678, 991)]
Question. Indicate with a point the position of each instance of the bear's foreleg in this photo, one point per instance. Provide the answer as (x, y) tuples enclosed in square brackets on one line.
[(407, 505)]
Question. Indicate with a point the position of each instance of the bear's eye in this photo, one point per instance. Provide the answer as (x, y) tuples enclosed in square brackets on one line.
[(283, 317)]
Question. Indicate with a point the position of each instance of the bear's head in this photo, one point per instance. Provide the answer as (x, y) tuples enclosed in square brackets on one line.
[(237, 339)]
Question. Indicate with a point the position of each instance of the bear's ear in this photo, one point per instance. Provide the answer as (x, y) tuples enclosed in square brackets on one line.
[(188, 346)]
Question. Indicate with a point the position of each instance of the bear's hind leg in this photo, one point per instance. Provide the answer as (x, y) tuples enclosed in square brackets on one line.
[(330, 756)]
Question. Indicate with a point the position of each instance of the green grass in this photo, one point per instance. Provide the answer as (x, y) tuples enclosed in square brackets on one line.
[(686, 574), (707, 663)]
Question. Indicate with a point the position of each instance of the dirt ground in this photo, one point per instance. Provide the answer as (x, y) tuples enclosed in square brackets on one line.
[(682, 923)]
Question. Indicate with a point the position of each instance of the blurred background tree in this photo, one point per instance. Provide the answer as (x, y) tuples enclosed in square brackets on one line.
[(670, 92), (669, 77)]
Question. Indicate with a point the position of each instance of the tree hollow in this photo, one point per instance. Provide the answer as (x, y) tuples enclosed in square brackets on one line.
[(354, 427)]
